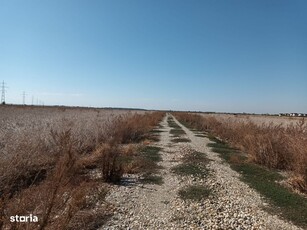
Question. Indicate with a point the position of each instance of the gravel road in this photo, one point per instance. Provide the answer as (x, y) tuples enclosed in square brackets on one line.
[(231, 205)]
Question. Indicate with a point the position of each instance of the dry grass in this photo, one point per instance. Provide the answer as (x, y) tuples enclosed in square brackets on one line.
[(134, 128), (55, 199), (274, 146), (255, 118), (47, 163)]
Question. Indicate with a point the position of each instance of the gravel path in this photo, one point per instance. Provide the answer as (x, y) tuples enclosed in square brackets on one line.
[(232, 205)]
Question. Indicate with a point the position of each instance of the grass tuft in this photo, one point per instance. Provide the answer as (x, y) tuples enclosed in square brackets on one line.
[(195, 158), (177, 132), (157, 131), (190, 169), (149, 178), (173, 123), (194, 192), (152, 153), (200, 135), (178, 140)]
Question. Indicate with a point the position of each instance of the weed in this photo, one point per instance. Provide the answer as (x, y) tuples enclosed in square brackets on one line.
[(195, 158), (190, 169), (177, 132), (149, 178), (172, 123), (157, 131), (200, 135), (110, 163), (177, 140), (145, 160), (152, 153), (292, 206), (194, 192), (135, 128)]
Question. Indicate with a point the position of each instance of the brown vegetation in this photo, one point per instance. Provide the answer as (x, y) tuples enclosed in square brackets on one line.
[(274, 146), (51, 175)]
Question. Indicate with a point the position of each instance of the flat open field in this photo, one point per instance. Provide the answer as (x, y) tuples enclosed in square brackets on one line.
[(83, 168), (16, 118), (20, 122), (258, 119)]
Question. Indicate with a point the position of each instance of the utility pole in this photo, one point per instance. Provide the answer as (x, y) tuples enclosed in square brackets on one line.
[(32, 100), (3, 90)]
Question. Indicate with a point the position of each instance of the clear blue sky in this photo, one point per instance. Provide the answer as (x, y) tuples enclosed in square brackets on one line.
[(209, 55)]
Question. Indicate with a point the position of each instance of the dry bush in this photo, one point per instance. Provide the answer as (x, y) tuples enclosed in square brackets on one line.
[(57, 199), (27, 166), (274, 146), (31, 160), (108, 160), (35, 179)]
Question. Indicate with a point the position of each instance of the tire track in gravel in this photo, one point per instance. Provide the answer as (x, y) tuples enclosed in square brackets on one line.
[(234, 205)]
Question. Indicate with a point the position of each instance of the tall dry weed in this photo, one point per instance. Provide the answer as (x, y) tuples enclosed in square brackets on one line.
[(274, 146), (49, 175)]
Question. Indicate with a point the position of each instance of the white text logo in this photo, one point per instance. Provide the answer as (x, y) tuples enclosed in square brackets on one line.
[(30, 218)]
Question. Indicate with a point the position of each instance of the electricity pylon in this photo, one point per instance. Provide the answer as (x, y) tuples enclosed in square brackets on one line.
[(3, 90)]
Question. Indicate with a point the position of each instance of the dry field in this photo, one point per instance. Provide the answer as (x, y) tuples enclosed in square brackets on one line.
[(82, 168), (275, 142), (33, 123), (257, 119), (55, 162)]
